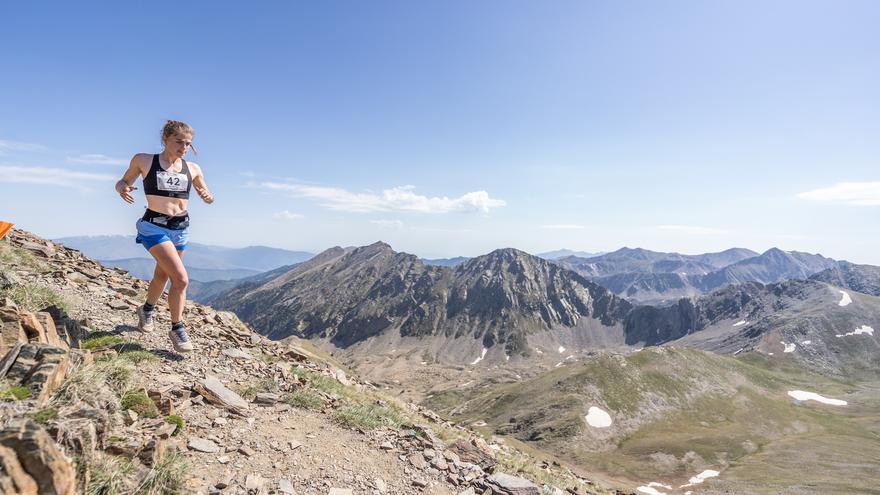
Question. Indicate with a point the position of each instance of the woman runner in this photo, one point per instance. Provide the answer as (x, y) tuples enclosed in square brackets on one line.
[(167, 180)]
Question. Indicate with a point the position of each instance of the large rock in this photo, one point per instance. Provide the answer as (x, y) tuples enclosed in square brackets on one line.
[(474, 452), (213, 390), (13, 478), (512, 485), (10, 333), (40, 457), (45, 249), (203, 445), (33, 328), (52, 336), (69, 330), (41, 368), (49, 374)]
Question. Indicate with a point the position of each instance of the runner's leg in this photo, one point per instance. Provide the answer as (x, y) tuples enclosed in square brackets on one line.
[(157, 285), (168, 260)]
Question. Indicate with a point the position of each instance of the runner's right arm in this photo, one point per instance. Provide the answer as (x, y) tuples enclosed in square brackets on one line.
[(124, 185)]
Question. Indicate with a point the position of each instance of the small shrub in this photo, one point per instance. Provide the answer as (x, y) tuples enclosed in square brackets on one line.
[(176, 420), (16, 392), (305, 399), (44, 416), (138, 401), (368, 416)]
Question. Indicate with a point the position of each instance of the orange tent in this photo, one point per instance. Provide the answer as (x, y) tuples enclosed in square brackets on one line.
[(4, 228)]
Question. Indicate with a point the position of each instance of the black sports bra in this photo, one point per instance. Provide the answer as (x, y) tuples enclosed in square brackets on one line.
[(160, 182)]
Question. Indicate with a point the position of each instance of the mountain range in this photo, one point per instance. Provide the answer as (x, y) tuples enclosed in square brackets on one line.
[(649, 277), (511, 305)]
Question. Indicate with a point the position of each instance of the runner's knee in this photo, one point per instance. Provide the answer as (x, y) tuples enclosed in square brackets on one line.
[(179, 281)]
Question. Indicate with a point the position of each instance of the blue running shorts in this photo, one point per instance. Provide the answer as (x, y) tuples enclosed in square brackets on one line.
[(150, 235)]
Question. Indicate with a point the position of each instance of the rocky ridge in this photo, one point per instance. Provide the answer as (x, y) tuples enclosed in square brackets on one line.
[(349, 296), (648, 277), (846, 275), (231, 422)]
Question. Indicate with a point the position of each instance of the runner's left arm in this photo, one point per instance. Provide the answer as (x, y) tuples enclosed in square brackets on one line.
[(202, 187)]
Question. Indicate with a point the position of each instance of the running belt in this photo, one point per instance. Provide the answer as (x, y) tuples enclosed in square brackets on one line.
[(176, 222)]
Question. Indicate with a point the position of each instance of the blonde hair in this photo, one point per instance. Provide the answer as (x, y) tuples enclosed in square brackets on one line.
[(173, 127)]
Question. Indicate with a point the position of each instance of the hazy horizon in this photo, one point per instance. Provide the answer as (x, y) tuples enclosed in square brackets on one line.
[(455, 255)]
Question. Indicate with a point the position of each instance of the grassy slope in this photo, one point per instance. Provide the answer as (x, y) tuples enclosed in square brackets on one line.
[(678, 411)]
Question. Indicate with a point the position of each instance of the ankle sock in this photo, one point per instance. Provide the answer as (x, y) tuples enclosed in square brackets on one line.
[(175, 326), (149, 307)]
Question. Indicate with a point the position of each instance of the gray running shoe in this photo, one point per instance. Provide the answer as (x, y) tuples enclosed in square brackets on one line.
[(145, 319), (180, 339)]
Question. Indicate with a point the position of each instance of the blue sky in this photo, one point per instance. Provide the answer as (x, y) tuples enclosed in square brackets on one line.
[(454, 128)]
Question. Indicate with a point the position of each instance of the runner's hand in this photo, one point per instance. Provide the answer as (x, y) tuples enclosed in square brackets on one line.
[(206, 195), (125, 192)]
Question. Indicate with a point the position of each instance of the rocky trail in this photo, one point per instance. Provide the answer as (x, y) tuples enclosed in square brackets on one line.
[(92, 405)]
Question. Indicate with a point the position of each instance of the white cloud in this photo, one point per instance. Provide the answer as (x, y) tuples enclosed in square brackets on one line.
[(52, 176), (395, 199), (693, 229), (850, 193), (563, 226), (96, 159), (6, 145), (388, 224), (286, 215)]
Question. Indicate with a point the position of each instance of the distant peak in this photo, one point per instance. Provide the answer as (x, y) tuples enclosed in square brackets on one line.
[(374, 248), (774, 251), (509, 253), (379, 245)]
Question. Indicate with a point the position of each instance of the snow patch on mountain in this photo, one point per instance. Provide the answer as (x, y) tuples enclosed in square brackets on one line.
[(864, 329), (802, 396), (597, 418), (481, 356)]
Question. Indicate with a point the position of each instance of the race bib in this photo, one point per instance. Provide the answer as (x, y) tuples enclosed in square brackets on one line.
[(171, 182)]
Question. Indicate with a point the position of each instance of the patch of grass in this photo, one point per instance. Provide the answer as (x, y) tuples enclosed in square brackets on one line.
[(267, 358), (138, 357), (43, 416), (138, 401), (178, 421), (15, 392), (305, 399), (99, 385), (320, 382), (368, 416), (167, 477), (93, 342), (109, 474), (251, 389), (34, 297), (12, 255)]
